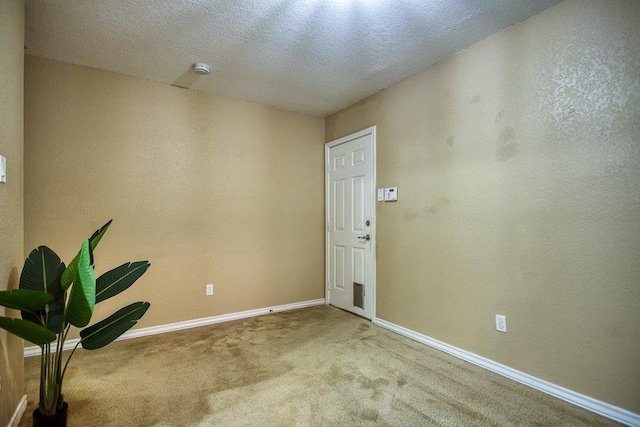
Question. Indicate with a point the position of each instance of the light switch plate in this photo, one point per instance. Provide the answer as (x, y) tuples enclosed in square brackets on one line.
[(381, 194), (391, 194), (3, 169)]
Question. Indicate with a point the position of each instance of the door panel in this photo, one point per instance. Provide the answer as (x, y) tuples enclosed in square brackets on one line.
[(339, 268), (350, 257), (338, 213), (358, 214)]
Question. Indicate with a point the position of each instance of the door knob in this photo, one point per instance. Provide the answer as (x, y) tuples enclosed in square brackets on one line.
[(367, 237)]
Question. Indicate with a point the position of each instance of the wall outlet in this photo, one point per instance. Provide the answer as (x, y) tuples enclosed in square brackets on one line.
[(209, 289), (501, 323), (3, 169)]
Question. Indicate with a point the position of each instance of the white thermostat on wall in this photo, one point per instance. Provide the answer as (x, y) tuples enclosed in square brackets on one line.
[(391, 194), (3, 169)]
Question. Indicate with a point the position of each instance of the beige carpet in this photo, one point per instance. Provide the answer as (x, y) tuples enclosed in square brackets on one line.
[(313, 367)]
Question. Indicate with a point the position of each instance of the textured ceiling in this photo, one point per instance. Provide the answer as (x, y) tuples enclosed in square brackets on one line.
[(310, 56)]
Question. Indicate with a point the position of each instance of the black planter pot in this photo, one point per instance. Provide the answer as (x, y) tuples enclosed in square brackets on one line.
[(59, 419)]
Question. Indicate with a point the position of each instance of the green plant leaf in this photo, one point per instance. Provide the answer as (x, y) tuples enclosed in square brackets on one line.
[(107, 330), (97, 235), (120, 278), (29, 331), (42, 271), (71, 271), (83, 292), (25, 300)]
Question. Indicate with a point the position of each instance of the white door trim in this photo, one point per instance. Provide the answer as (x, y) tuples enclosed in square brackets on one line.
[(327, 147)]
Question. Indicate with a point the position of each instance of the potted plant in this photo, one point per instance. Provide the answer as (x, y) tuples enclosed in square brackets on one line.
[(53, 297)]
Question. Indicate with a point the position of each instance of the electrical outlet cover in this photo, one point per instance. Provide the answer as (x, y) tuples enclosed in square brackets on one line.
[(3, 169), (501, 323)]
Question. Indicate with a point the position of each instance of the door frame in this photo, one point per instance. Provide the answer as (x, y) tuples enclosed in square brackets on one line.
[(327, 215)]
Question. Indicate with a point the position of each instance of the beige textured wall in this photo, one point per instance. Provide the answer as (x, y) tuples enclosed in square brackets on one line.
[(517, 163), (208, 189), (11, 198)]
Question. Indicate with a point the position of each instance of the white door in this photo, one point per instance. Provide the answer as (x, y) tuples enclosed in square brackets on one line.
[(350, 217)]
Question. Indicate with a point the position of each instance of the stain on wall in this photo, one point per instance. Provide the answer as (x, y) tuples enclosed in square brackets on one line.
[(507, 148), (450, 141)]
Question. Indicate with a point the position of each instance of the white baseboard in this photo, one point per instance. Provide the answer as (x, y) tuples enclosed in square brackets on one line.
[(154, 330), (19, 412), (605, 409)]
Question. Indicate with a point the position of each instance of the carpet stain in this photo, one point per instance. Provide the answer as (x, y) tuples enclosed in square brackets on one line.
[(367, 383), (364, 327), (369, 415)]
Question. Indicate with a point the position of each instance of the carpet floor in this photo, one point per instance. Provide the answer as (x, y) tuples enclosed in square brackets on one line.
[(313, 367)]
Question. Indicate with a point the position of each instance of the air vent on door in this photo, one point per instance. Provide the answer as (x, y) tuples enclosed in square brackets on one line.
[(358, 295)]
